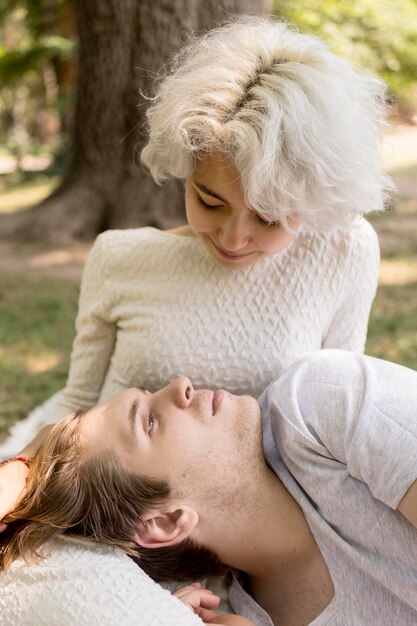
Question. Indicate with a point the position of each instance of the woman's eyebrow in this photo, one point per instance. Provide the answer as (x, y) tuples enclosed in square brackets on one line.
[(208, 191)]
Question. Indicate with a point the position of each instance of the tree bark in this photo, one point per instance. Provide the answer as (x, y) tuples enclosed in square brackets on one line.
[(122, 45)]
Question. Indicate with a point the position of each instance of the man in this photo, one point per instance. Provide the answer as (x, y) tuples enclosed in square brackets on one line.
[(320, 520), (313, 524)]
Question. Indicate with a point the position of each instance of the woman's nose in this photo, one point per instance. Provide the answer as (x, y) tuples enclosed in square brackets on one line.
[(234, 235), (183, 391)]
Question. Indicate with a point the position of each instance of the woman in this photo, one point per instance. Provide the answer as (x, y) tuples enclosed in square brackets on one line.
[(277, 140), (73, 498)]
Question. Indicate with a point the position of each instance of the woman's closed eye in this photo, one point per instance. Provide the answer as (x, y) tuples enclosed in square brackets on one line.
[(267, 223), (206, 205)]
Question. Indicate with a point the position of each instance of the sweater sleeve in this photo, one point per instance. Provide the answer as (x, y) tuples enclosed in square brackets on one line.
[(87, 587), (95, 336), (348, 324)]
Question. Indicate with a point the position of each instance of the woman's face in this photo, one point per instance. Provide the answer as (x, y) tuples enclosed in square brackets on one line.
[(235, 236)]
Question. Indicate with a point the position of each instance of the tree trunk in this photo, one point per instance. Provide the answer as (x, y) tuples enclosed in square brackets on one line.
[(122, 44)]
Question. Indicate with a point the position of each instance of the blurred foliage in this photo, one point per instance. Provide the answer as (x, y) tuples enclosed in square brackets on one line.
[(380, 35), (17, 62), (36, 75), (38, 61)]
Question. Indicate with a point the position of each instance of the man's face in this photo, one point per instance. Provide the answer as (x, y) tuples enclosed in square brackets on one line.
[(203, 443)]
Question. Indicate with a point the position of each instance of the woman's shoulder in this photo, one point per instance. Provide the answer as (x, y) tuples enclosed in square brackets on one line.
[(358, 235), (127, 248), (363, 239), (129, 237)]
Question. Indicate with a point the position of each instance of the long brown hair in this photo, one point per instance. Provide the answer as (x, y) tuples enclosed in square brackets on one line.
[(71, 493)]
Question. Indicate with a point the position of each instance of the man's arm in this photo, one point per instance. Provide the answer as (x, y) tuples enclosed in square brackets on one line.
[(408, 504)]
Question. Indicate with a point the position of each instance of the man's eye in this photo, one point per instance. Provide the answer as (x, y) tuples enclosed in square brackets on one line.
[(151, 424)]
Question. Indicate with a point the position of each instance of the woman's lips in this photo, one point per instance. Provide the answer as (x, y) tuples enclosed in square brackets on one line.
[(230, 256), (217, 400)]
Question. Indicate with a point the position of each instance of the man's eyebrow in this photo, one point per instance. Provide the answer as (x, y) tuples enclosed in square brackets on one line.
[(133, 410), (208, 191)]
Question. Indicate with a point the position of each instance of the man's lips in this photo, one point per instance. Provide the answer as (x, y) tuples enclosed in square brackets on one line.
[(217, 400)]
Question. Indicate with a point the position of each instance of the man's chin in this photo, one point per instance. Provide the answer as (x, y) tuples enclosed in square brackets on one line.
[(251, 422)]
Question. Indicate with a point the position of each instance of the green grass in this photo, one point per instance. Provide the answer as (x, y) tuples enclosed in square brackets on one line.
[(36, 332), (392, 333)]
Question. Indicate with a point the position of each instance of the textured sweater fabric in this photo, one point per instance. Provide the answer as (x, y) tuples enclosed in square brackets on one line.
[(154, 306), (86, 584)]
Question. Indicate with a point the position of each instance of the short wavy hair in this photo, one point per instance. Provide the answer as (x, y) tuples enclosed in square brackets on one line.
[(302, 126)]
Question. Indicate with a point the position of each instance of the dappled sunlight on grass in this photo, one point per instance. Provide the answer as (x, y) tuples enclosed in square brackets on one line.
[(18, 196), (37, 364), (399, 148), (398, 272)]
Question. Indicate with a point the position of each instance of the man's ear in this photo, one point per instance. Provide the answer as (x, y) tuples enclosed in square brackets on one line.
[(166, 528)]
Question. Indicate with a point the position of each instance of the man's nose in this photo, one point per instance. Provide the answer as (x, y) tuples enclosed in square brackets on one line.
[(183, 391), (235, 234)]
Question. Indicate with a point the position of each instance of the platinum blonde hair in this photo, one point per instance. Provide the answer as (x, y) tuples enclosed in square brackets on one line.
[(301, 125)]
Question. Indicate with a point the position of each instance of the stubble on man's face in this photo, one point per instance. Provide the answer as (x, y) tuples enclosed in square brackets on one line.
[(231, 467)]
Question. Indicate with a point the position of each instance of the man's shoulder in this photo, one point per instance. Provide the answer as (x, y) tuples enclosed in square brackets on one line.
[(328, 365), (298, 405)]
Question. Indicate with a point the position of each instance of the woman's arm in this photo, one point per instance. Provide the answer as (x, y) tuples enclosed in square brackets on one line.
[(13, 476), (96, 334), (348, 323)]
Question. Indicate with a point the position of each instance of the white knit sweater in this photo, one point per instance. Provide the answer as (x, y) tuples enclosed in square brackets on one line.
[(86, 584), (154, 306)]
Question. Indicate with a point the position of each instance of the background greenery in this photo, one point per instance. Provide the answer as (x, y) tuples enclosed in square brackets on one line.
[(380, 35)]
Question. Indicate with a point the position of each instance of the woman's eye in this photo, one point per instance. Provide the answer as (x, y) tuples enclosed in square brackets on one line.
[(151, 424), (206, 205), (267, 223)]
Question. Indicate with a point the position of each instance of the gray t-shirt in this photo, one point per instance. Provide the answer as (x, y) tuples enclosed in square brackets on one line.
[(340, 431)]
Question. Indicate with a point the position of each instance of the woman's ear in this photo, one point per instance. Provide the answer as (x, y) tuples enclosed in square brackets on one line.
[(166, 528)]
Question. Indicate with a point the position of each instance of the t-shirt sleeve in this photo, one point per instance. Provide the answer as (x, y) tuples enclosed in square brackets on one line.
[(95, 335), (358, 410), (348, 324)]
